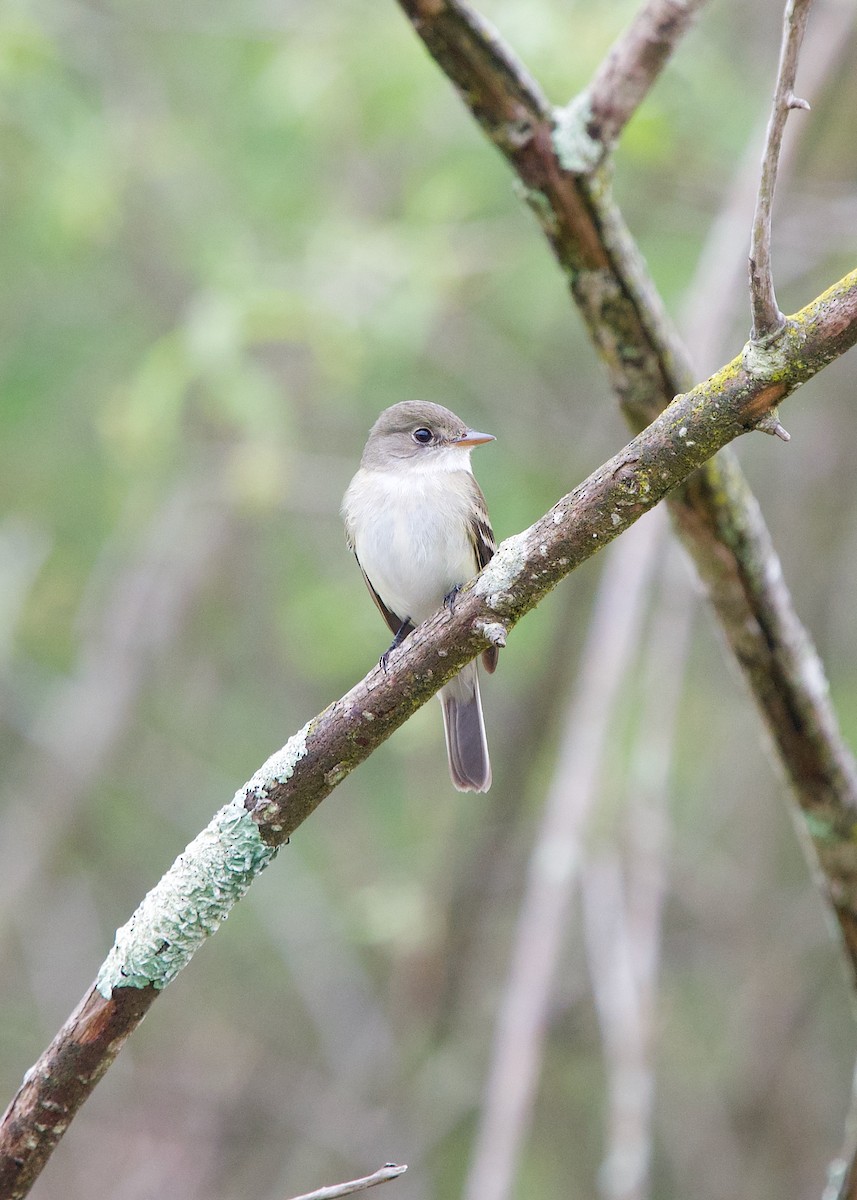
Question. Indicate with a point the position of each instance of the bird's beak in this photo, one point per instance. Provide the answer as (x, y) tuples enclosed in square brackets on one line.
[(471, 438)]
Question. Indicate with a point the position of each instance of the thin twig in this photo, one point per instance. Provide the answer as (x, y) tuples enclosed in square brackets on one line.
[(553, 867), (767, 318), (589, 126), (710, 305), (383, 1175)]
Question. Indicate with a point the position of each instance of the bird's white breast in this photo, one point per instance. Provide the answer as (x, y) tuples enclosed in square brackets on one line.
[(410, 529)]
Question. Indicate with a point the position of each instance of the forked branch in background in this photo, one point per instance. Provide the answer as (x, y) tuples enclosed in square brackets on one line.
[(595, 118), (767, 318)]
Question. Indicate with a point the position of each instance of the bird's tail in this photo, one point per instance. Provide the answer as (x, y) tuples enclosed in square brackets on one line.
[(466, 744)]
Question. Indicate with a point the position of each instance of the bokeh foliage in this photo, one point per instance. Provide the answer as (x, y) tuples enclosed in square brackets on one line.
[(231, 235)]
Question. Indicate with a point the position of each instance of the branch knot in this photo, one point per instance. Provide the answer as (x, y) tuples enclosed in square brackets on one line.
[(768, 358)]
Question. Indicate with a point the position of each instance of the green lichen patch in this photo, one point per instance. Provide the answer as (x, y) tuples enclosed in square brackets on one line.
[(188, 904), (576, 150)]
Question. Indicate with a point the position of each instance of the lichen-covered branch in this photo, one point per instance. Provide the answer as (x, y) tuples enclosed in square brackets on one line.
[(215, 870), (767, 318), (589, 126)]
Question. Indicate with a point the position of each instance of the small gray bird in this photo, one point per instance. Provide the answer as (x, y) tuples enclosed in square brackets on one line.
[(416, 520)]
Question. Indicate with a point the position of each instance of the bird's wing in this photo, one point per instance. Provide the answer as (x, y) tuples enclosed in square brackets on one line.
[(394, 622), (484, 545)]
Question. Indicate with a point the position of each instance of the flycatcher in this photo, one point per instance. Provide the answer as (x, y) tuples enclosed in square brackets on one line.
[(416, 520)]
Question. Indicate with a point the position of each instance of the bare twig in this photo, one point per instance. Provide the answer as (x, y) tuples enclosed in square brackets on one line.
[(198, 892), (383, 1175), (589, 126), (767, 318), (553, 868), (712, 297)]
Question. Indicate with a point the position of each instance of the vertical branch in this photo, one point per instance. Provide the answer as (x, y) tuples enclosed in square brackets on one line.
[(625, 1029), (553, 868), (711, 299), (622, 905), (767, 318)]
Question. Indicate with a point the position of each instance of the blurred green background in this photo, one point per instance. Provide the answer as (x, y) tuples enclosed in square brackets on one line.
[(231, 235)]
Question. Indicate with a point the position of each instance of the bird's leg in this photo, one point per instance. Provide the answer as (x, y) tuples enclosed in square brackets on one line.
[(451, 597), (404, 630)]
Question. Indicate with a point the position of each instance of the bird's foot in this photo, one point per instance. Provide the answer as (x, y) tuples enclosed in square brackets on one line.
[(451, 597), (404, 630)]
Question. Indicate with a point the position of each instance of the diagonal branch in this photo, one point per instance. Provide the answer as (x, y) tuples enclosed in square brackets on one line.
[(212, 874), (382, 1175), (590, 125), (767, 318)]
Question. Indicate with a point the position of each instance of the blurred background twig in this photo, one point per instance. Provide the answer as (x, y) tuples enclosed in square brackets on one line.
[(554, 864)]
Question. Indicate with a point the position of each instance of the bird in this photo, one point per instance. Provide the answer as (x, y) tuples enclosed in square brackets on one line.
[(418, 525)]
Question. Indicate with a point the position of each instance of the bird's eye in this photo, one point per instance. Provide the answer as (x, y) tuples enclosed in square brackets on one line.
[(423, 436)]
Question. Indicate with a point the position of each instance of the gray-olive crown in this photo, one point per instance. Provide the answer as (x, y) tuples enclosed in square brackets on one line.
[(411, 428)]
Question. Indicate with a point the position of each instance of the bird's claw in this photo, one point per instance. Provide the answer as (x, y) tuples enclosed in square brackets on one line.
[(451, 597)]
